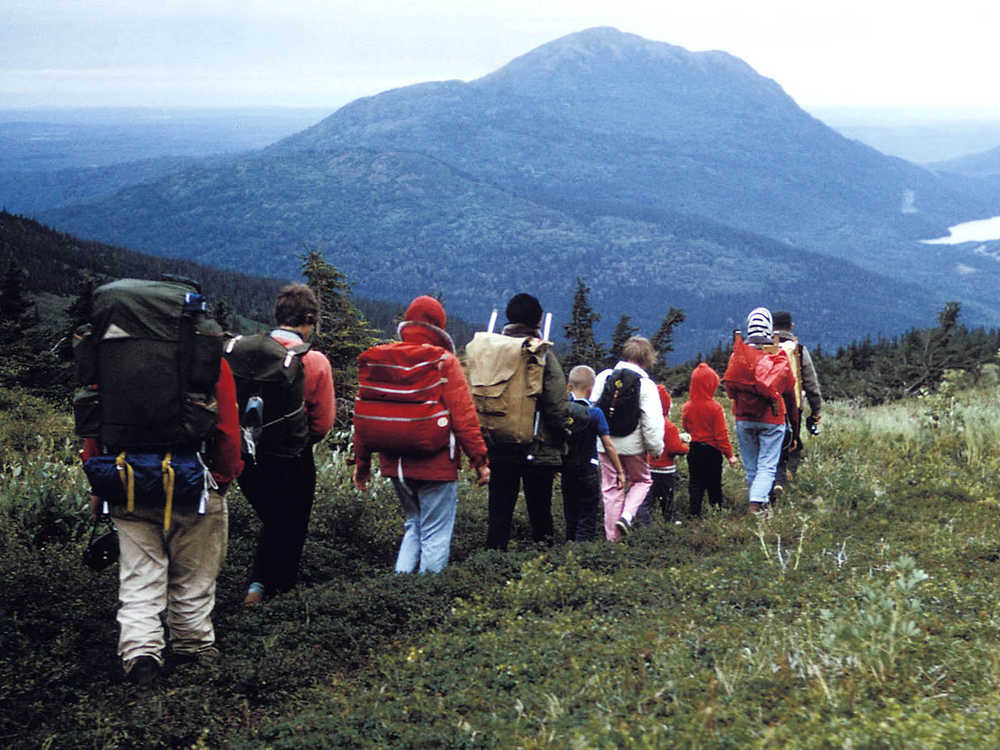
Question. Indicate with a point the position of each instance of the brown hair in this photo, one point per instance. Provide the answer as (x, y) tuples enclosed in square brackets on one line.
[(639, 351), (296, 305)]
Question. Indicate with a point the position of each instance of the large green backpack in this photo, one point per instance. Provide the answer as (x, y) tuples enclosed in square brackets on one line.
[(147, 364), (270, 394)]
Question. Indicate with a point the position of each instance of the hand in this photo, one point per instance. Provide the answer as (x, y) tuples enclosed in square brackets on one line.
[(361, 480), (482, 475), (95, 505), (620, 479), (733, 461), (685, 437)]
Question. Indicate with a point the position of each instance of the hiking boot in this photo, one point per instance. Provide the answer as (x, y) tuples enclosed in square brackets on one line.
[(623, 526), (143, 671)]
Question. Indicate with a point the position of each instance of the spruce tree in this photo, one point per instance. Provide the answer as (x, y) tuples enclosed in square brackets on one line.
[(663, 341), (583, 346), (341, 333), (623, 332)]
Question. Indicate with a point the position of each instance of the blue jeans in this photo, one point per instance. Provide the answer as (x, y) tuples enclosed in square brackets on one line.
[(760, 449), (430, 520)]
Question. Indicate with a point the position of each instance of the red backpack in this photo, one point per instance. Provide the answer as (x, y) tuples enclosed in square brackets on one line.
[(755, 379), (398, 409)]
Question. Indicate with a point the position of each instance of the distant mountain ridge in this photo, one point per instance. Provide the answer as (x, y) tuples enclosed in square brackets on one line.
[(658, 175)]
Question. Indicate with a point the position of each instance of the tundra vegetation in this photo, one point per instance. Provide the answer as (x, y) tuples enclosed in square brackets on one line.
[(862, 613)]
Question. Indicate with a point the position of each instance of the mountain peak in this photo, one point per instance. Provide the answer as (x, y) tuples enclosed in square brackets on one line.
[(603, 59)]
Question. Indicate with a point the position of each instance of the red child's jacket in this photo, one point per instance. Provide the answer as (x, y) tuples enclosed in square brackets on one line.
[(703, 416), (672, 443)]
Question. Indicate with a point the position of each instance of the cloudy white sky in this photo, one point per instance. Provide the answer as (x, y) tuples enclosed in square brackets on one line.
[(927, 57)]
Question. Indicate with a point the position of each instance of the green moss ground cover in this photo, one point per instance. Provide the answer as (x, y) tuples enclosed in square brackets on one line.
[(863, 613)]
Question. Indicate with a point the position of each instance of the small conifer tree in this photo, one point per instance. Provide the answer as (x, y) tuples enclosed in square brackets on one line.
[(583, 346)]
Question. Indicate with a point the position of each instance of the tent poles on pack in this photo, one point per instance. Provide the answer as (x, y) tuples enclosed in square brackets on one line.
[(547, 328), (493, 321)]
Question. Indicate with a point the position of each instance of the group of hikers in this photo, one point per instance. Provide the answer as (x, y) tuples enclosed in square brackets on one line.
[(172, 413)]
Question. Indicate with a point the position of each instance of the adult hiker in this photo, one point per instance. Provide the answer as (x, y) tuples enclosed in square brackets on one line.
[(526, 437), (807, 382), (157, 407), (630, 401), (756, 379), (287, 405), (413, 406)]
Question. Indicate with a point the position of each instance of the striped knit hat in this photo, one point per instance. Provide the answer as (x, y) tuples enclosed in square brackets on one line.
[(759, 324)]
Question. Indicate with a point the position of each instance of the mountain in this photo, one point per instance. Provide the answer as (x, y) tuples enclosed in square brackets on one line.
[(984, 164), (660, 176)]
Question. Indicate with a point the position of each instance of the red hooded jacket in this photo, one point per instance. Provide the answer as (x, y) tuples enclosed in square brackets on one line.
[(672, 443), (702, 415), (424, 324)]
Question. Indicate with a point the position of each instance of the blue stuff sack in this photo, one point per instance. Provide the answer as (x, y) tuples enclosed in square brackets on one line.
[(148, 480)]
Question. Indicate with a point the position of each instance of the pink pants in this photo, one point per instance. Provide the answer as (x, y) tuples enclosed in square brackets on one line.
[(618, 501)]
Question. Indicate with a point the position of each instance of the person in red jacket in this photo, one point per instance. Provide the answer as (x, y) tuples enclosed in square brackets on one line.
[(175, 570), (704, 419), (662, 468), (427, 485)]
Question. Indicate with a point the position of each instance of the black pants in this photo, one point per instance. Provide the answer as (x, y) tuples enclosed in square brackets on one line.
[(705, 475), (581, 491), (506, 475), (661, 492), (281, 490)]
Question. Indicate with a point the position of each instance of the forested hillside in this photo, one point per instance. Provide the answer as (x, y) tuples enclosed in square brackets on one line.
[(663, 177)]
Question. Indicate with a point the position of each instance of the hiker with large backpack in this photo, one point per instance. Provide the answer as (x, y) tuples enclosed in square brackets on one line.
[(630, 402), (413, 408), (157, 408), (287, 405), (519, 390), (807, 384), (757, 378)]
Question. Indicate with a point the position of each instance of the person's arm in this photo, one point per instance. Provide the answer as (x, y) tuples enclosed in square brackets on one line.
[(651, 417), (464, 422), (722, 434), (672, 442), (552, 402), (224, 451), (810, 383), (611, 453), (321, 401)]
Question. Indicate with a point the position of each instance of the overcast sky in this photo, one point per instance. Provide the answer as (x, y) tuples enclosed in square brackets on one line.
[(938, 56)]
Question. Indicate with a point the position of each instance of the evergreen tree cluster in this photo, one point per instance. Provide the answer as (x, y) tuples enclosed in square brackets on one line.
[(584, 349)]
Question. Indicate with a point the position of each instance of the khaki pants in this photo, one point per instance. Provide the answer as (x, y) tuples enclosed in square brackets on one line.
[(173, 571)]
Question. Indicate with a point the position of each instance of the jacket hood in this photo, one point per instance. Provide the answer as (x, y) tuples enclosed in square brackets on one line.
[(424, 324), (665, 401), (704, 383)]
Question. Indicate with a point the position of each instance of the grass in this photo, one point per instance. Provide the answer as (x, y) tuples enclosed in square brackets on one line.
[(862, 613)]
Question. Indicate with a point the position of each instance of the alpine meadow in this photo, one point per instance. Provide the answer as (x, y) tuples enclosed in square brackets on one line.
[(635, 188)]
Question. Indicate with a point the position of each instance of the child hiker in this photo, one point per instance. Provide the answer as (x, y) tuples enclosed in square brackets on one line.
[(705, 420), (581, 474)]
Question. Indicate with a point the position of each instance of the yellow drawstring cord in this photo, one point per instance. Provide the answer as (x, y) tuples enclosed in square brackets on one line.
[(127, 476), (168, 491)]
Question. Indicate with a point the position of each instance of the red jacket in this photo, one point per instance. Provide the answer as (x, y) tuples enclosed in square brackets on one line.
[(440, 467), (223, 454), (702, 415), (672, 443)]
